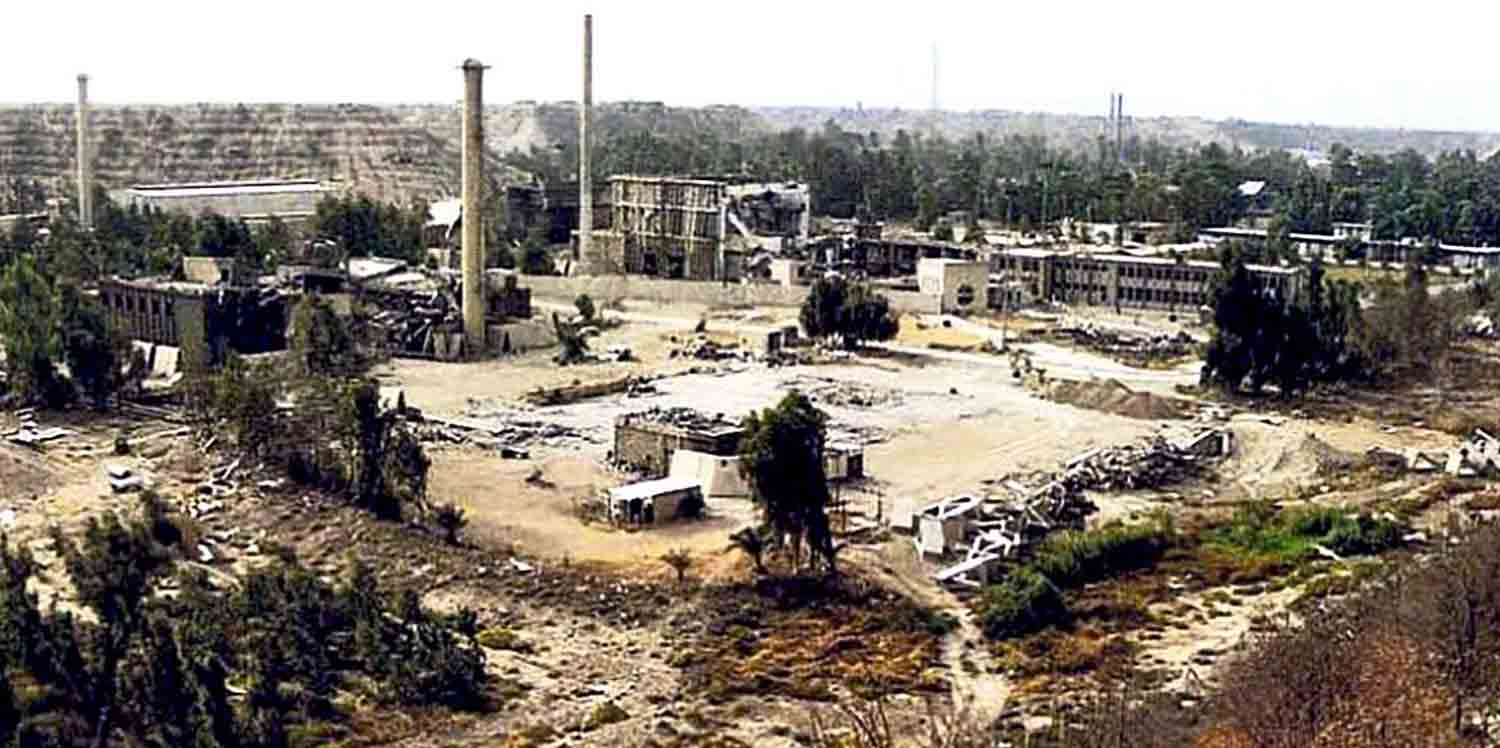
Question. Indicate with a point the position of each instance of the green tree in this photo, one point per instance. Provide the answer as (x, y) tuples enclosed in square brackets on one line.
[(322, 343), (853, 313), (782, 458), (585, 307), (96, 355), (535, 259), (30, 327)]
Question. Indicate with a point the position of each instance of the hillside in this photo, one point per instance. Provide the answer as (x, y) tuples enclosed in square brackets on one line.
[(399, 152), (373, 149), (1078, 131)]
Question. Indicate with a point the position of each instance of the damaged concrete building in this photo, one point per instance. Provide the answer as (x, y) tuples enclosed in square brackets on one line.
[(646, 441), (863, 249), (695, 229), (204, 321)]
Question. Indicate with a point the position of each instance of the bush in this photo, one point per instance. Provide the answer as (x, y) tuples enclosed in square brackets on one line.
[(500, 637), (607, 713), (1025, 602), (585, 307), (1291, 535), (450, 517), (1072, 558)]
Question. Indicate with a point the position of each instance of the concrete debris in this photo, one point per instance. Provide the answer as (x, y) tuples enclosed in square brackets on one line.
[(1109, 340), (31, 436), (511, 431), (410, 323), (1018, 512), (630, 385), (705, 349), (1478, 456), (837, 393)]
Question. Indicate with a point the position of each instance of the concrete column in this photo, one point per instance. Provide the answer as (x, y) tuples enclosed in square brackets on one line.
[(585, 149), (473, 211), (85, 159)]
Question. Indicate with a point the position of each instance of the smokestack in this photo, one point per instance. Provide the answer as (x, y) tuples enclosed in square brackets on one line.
[(473, 215), (1110, 125), (85, 159), (1120, 128), (585, 148)]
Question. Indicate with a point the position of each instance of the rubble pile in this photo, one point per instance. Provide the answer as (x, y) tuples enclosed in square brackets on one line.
[(827, 391), (511, 432), (407, 321), (1119, 342), (1149, 464), (30, 434), (1477, 457), (1017, 511), (704, 348)]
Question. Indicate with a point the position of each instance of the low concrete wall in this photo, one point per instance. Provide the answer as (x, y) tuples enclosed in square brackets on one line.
[(602, 289)]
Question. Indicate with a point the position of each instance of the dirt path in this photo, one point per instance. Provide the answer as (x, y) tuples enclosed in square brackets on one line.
[(978, 687)]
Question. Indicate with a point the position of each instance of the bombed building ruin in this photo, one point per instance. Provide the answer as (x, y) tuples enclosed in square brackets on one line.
[(695, 229), (645, 441), (206, 322)]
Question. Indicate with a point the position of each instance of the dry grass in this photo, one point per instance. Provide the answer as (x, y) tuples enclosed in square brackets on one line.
[(801, 646), (914, 332)]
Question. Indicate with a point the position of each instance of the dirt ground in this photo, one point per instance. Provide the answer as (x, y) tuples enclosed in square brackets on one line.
[(540, 517), (606, 620)]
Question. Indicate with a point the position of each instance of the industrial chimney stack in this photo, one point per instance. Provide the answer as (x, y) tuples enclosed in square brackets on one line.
[(473, 211), (585, 150), (85, 159), (1120, 127)]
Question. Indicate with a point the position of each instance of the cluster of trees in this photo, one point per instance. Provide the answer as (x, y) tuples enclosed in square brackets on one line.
[(851, 312), (145, 669), (133, 242), (336, 435), (58, 342), (366, 227), (1025, 181), (1334, 333)]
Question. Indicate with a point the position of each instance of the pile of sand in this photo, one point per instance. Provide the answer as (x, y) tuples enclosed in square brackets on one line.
[(1313, 457), (1112, 396)]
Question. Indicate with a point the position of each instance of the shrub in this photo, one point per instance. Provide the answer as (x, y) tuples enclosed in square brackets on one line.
[(1072, 558), (500, 637), (1025, 602), (585, 307), (450, 517), (606, 713)]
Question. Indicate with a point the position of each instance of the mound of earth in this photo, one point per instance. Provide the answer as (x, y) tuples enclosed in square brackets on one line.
[(1112, 396)]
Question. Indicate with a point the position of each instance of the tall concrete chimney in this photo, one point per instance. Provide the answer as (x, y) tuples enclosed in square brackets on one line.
[(585, 149), (1120, 128), (473, 211), (85, 159)]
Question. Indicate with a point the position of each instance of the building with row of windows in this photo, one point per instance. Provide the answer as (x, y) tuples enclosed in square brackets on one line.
[(1025, 276)]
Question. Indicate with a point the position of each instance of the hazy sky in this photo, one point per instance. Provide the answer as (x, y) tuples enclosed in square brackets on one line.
[(1420, 65)]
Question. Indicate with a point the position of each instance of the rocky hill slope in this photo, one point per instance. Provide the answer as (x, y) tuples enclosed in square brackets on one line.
[(398, 152)]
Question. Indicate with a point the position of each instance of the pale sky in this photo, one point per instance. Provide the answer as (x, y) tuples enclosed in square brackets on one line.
[(1344, 62)]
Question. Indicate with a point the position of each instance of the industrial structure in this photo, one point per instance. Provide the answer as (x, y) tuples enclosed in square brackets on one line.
[(473, 186), (701, 229), (85, 159), (257, 201), (586, 147)]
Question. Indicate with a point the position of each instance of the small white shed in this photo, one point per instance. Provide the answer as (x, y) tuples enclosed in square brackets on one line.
[(653, 501)]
